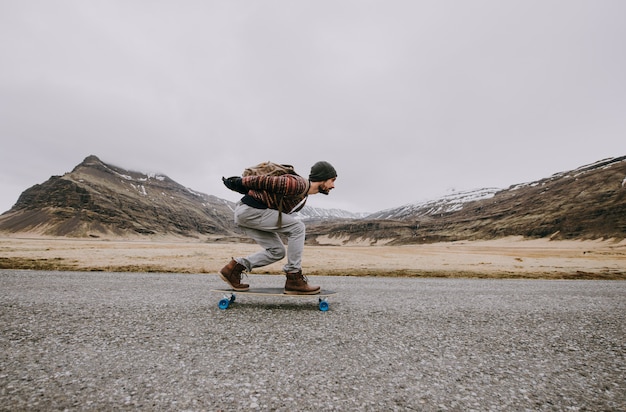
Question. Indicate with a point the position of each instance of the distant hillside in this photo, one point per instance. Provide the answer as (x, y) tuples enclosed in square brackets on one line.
[(315, 214), (96, 199), (100, 200), (450, 203), (585, 203)]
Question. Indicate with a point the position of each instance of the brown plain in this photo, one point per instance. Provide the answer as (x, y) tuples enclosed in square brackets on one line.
[(503, 258)]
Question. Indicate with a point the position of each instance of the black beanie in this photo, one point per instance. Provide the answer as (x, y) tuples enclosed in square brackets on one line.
[(322, 171)]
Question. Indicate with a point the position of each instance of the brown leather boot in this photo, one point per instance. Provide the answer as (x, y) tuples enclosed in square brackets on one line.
[(297, 284), (231, 274)]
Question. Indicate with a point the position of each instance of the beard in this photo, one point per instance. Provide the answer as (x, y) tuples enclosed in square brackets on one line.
[(324, 190)]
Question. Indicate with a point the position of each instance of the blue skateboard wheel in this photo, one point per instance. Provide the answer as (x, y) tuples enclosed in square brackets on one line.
[(223, 303)]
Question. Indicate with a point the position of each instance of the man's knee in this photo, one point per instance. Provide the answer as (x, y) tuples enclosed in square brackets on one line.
[(277, 252), (297, 228)]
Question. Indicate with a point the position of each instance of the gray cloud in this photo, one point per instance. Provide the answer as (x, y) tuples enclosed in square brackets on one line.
[(408, 99)]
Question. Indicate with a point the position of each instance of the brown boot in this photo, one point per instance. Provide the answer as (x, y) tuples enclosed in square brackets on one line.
[(296, 284), (231, 274)]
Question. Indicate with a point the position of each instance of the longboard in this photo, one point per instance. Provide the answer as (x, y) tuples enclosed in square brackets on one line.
[(230, 295)]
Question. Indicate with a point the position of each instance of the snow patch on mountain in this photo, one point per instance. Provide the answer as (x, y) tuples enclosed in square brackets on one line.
[(446, 204), (315, 213)]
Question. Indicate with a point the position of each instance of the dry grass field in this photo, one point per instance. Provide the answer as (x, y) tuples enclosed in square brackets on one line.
[(504, 258)]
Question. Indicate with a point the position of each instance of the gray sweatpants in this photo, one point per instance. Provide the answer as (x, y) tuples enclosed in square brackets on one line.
[(262, 226)]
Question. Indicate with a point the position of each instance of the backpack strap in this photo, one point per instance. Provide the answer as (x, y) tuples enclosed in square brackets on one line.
[(297, 208)]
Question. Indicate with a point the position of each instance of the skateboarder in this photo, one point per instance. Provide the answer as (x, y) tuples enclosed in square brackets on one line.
[(263, 214)]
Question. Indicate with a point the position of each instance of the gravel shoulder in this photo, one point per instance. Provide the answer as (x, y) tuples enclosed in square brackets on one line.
[(155, 341)]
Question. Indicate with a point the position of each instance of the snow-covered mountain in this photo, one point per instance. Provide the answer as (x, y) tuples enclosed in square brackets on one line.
[(446, 204), (101, 200), (309, 213), (585, 203)]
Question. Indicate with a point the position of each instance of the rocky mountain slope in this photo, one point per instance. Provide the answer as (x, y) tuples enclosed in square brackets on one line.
[(96, 199), (100, 200), (319, 215), (447, 204), (585, 203)]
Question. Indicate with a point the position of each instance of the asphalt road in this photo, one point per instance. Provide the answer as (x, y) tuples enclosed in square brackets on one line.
[(127, 341)]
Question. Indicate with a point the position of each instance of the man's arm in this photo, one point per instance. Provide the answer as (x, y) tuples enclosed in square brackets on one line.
[(289, 185)]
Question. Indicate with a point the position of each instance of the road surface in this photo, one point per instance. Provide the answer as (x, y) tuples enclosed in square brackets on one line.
[(103, 341)]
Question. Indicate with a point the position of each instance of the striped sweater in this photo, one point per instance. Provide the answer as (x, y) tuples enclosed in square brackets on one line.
[(271, 190)]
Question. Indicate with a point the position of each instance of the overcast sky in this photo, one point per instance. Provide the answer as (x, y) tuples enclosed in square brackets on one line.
[(409, 100)]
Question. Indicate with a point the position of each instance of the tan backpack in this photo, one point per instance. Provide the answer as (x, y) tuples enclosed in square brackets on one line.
[(274, 169), (270, 169)]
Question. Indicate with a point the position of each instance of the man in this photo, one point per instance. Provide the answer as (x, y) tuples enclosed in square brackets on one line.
[(263, 214)]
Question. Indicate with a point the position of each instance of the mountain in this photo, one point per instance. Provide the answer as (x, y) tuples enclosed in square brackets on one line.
[(96, 199), (447, 204), (100, 200), (316, 214), (586, 203)]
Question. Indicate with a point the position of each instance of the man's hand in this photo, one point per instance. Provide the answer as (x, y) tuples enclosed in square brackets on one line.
[(235, 183)]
